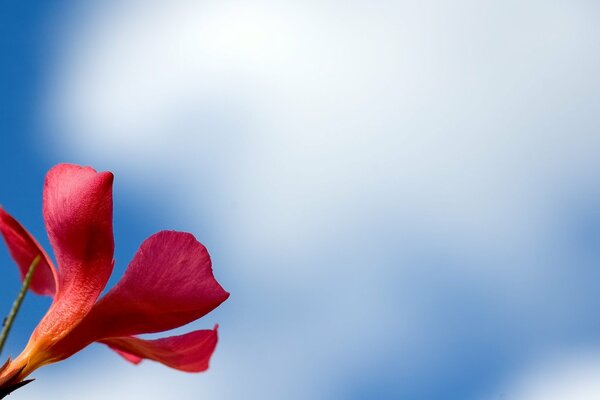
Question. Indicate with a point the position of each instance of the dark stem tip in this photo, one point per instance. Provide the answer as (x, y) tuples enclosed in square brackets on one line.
[(5, 391)]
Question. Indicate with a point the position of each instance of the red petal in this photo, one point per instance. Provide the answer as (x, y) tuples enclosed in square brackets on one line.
[(190, 352), (128, 356), (78, 215), (168, 283), (24, 248)]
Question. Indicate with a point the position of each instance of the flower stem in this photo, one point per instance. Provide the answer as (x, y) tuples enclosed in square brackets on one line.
[(10, 319)]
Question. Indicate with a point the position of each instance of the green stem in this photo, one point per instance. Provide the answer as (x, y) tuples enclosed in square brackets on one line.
[(10, 319)]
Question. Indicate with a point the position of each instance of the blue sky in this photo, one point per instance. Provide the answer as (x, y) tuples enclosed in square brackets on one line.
[(401, 196), (21, 75), (26, 51)]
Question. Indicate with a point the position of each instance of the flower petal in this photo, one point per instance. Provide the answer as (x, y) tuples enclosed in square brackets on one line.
[(78, 216), (190, 352), (24, 248), (132, 358), (168, 283)]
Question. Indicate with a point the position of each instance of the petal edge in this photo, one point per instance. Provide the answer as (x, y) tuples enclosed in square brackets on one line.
[(23, 248), (190, 352)]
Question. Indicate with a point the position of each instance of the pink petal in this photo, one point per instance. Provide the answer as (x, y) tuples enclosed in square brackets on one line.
[(169, 283), (24, 248), (78, 215), (190, 352)]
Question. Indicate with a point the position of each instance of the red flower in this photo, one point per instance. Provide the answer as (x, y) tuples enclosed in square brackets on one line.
[(168, 283)]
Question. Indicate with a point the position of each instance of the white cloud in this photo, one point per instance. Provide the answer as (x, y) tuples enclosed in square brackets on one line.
[(338, 145), (572, 375), (306, 108)]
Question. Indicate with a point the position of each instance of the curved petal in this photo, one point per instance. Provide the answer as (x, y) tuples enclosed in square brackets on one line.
[(190, 352), (168, 283), (78, 216), (132, 358), (24, 248)]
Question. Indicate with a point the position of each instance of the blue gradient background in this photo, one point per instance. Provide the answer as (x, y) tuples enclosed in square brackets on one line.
[(401, 197)]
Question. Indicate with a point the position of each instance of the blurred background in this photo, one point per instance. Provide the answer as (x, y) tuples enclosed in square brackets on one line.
[(401, 196)]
